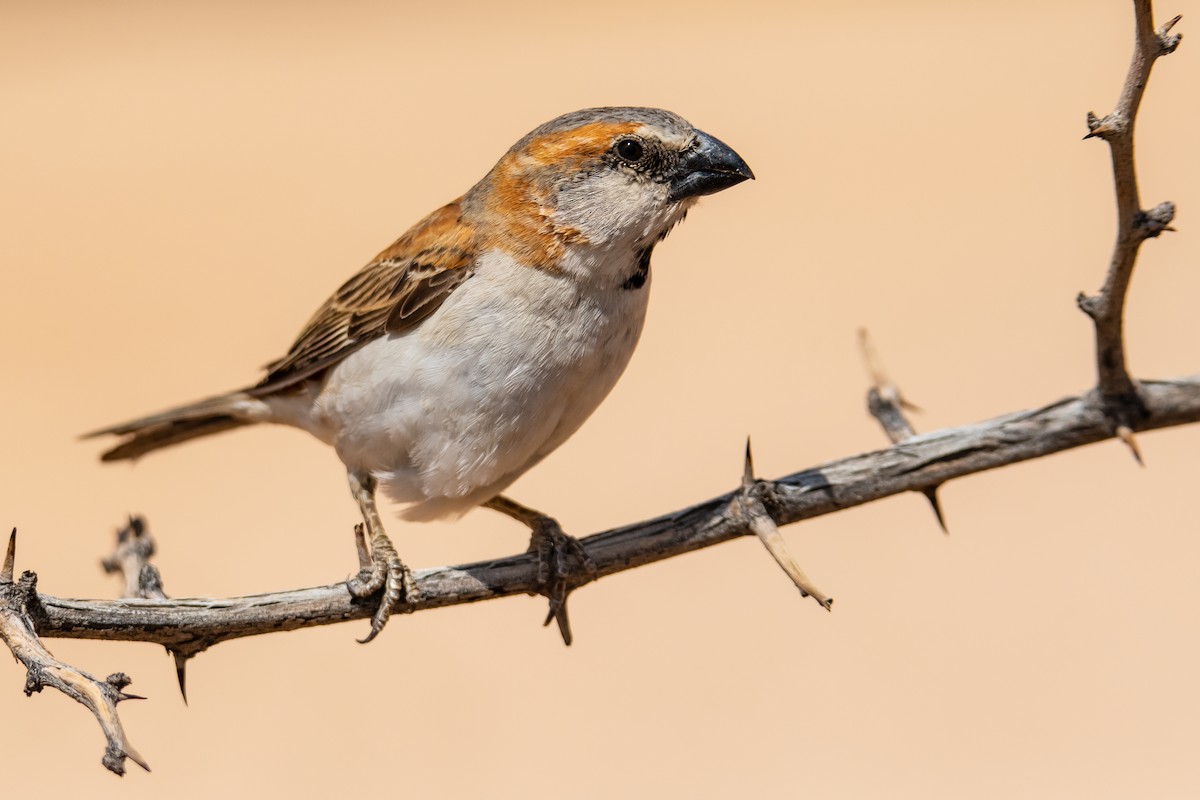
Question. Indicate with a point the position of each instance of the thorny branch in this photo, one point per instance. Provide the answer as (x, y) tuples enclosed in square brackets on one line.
[(919, 462), (1116, 407), (1134, 225)]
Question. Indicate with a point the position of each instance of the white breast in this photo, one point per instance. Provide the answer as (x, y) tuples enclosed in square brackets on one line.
[(450, 413)]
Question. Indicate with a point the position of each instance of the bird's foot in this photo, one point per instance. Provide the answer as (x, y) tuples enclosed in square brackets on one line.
[(380, 567), (563, 566)]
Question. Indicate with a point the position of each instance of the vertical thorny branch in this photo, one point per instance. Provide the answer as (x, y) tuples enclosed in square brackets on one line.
[(1117, 389)]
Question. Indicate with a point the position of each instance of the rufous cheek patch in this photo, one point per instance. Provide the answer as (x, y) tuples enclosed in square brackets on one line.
[(520, 206), (519, 215)]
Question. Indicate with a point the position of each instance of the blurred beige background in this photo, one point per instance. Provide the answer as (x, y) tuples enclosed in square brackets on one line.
[(184, 183)]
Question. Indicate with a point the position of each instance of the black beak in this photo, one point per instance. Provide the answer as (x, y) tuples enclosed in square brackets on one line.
[(707, 166)]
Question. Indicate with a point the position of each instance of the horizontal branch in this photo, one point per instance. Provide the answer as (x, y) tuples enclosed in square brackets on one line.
[(188, 626)]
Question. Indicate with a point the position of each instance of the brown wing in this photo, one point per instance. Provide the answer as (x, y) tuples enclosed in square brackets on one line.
[(400, 287)]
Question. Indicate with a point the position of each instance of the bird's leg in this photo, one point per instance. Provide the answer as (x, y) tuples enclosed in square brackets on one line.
[(556, 576), (380, 567)]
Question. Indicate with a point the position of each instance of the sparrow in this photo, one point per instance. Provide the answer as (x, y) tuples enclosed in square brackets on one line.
[(481, 339)]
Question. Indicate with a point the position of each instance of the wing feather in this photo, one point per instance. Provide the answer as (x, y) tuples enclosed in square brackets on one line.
[(398, 289)]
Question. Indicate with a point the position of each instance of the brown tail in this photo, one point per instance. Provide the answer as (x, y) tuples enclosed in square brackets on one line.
[(207, 417)]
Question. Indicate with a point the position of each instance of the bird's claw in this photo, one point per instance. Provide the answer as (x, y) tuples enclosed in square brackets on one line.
[(380, 567), (563, 566)]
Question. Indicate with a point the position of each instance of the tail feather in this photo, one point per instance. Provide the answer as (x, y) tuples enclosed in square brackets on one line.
[(213, 415), (143, 441)]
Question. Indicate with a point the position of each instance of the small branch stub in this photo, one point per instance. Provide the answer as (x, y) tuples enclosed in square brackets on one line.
[(131, 559), (1158, 219), (887, 406), (751, 507), (1167, 41)]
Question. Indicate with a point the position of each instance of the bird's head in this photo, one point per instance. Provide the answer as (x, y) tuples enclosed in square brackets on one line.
[(601, 180)]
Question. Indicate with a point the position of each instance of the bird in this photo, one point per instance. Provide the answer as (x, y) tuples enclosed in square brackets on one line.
[(480, 340)]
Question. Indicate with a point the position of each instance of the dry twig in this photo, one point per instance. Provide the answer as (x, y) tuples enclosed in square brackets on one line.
[(887, 405), (18, 604), (749, 505)]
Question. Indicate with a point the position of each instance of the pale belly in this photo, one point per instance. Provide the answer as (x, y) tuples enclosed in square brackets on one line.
[(447, 415)]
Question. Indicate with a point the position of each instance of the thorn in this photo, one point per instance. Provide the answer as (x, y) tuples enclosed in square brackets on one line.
[(564, 622), (180, 672), (932, 497), (10, 558), (136, 757), (748, 469), (1125, 434)]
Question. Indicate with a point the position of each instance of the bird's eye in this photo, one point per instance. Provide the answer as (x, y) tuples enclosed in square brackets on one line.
[(631, 150)]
